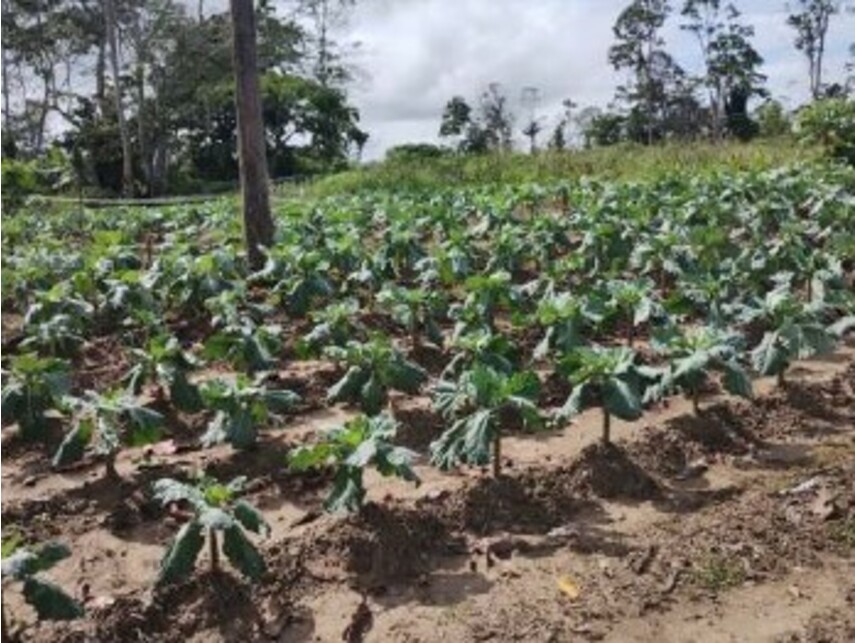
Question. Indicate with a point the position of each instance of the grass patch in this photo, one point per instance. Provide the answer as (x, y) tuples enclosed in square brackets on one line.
[(625, 161), (717, 572)]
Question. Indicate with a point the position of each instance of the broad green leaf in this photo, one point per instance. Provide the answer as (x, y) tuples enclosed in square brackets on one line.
[(347, 493), (621, 399), (51, 602), (74, 444), (242, 554), (348, 388), (735, 379), (250, 518), (180, 558)]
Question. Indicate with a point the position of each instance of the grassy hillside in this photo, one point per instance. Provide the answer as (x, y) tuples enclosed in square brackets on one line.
[(621, 161)]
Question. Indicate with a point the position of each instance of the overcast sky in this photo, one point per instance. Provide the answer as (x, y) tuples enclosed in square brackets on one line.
[(416, 54)]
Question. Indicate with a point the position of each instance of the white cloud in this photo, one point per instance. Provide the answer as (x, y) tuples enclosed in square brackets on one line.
[(419, 53)]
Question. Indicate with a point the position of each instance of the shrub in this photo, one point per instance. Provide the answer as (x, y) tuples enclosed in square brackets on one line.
[(829, 123), (19, 179)]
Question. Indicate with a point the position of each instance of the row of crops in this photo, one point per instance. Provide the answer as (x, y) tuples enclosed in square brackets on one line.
[(624, 292)]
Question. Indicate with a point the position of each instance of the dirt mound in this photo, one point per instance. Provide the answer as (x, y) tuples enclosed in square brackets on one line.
[(418, 427), (608, 471), (663, 452), (533, 501), (383, 542)]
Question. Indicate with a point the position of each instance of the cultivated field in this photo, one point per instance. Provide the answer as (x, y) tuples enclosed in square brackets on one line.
[(584, 410)]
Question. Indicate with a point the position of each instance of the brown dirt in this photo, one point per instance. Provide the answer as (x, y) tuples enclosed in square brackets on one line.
[(734, 524)]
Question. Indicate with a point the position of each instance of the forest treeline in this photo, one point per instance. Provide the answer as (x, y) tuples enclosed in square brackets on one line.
[(136, 97)]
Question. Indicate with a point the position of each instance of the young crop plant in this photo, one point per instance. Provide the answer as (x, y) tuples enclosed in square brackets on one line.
[(238, 338), (634, 303), (58, 336), (485, 295), (610, 376), (476, 404), (165, 363), (23, 564), (33, 387), (694, 353), (300, 278), (480, 347), (374, 367), (108, 421), (217, 511), (417, 309), (350, 449), (795, 331), (564, 317), (334, 325), (241, 406)]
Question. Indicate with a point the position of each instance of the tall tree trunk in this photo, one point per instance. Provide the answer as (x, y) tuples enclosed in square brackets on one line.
[(142, 136), (253, 166), (100, 73), (6, 91), (43, 113), (124, 137)]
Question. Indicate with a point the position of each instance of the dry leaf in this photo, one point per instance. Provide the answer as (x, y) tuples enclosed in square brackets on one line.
[(568, 587)]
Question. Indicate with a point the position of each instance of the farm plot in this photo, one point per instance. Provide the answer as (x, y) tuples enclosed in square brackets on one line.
[(509, 413)]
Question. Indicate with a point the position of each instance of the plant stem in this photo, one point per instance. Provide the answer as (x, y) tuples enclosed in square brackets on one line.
[(6, 634), (695, 398), (605, 425), (781, 379), (631, 331), (497, 453), (110, 466), (214, 552)]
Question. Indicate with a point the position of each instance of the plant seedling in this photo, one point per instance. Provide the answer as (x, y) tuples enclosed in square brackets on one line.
[(475, 404), (112, 420), (21, 564), (216, 509), (242, 405), (361, 443), (694, 353), (613, 378), (374, 367), (34, 386)]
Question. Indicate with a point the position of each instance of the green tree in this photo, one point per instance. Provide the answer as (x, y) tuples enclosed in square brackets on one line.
[(638, 49), (731, 62), (811, 21)]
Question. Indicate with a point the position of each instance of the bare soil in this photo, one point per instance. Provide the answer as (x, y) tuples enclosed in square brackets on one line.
[(736, 525)]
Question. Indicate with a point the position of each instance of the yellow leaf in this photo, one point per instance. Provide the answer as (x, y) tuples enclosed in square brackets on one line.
[(568, 587)]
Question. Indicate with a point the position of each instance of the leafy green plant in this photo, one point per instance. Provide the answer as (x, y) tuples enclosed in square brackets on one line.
[(485, 295), (33, 387), (417, 309), (165, 363), (829, 123), (108, 421), (23, 564), (480, 347), (564, 318), (697, 351), (360, 443), (300, 278), (241, 406), (216, 510), (59, 336), (634, 303), (612, 378), (334, 325), (476, 404), (374, 367), (794, 332), (239, 335)]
